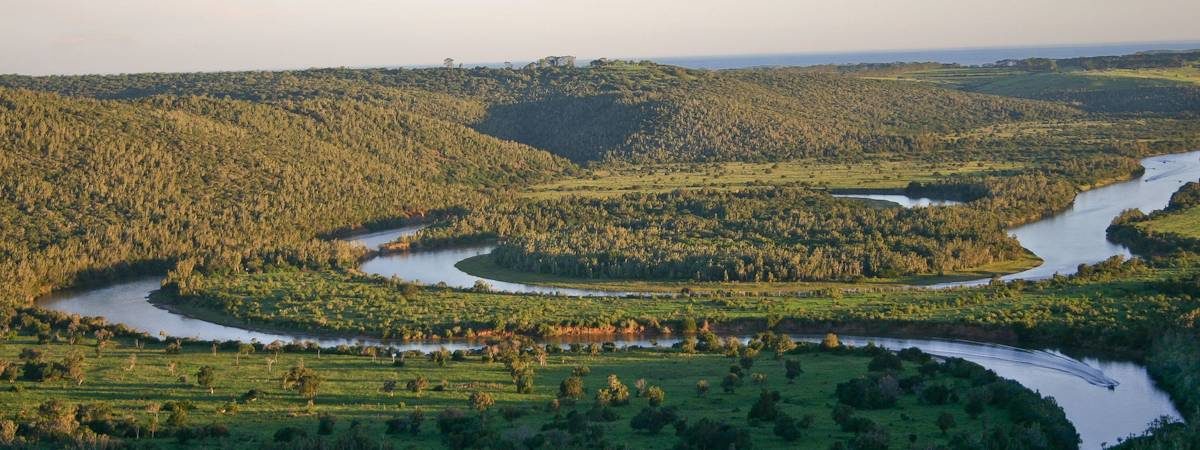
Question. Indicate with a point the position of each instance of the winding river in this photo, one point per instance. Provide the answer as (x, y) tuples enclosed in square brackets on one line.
[(1105, 399)]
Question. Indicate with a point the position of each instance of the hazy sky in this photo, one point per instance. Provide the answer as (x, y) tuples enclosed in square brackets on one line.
[(107, 36)]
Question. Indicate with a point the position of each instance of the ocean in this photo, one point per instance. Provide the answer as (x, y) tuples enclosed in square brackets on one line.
[(964, 56)]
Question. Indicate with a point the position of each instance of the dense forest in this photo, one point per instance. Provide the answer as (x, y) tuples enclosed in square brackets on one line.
[(91, 187), (638, 111), (768, 234)]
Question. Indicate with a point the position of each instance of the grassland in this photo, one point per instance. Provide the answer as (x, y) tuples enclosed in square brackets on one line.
[(1184, 224), (1014, 82), (129, 379), (872, 175)]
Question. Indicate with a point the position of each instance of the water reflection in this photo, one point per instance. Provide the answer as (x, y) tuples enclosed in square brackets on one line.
[(903, 200)]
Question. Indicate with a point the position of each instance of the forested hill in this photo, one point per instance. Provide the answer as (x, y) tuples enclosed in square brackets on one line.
[(91, 187), (630, 111)]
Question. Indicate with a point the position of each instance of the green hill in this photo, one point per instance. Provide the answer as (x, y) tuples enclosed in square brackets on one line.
[(90, 187), (622, 110)]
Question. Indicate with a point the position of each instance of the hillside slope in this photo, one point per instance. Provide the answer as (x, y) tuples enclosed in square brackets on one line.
[(629, 111), (90, 187)]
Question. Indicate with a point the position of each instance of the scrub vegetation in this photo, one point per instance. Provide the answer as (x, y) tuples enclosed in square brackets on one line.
[(713, 185)]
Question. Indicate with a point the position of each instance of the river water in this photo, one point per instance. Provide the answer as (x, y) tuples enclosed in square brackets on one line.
[(1105, 399)]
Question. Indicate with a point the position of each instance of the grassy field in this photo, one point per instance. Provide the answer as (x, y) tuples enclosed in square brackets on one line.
[(483, 266), (1180, 74), (130, 379), (1185, 223), (874, 175), (1013, 82)]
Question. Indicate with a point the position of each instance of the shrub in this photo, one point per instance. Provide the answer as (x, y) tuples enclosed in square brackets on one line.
[(765, 409), (884, 362), (869, 392), (945, 422), (936, 394), (707, 434), (731, 382), (418, 384), (461, 431), (481, 401), (792, 368), (289, 434), (787, 427), (652, 420), (326, 423)]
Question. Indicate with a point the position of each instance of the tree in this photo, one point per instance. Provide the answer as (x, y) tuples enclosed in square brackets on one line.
[(448, 63), (418, 384), (56, 418), (830, 341), (326, 424), (481, 401), (304, 380), (707, 434), (702, 388), (945, 422), (207, 377), (885, 361), (792, 368), (179, 415), (153, 409), (243, 349), (571, 387), (731, 382), (72, 368), (616, 394), (655, 396), (765, 409), (746, 362), (783, 345), (688, 345), (103, 337), (389, 387), (652, 420)]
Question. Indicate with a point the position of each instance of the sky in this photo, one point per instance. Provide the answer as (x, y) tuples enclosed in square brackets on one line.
[(39, 37)]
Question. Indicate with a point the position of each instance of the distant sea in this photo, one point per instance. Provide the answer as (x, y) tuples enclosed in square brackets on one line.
[(964, 56)]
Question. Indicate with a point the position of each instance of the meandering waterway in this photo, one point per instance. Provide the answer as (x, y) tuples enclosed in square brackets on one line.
[(1105, 399)]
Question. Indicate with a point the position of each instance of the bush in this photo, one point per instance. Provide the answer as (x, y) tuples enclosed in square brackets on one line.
[(325, 424), (418, 384), (875, 439), (289, 434), (707, 434), (731, 382), (461, 431), (945, 422), (787, 427), (792, 368), (765, 409), (651, 420), (869, 392), (884, 362), (936, 394)]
